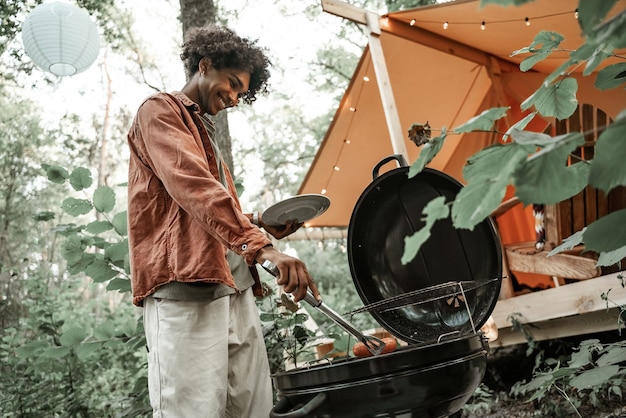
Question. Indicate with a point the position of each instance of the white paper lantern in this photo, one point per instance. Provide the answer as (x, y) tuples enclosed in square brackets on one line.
[(60, 38)]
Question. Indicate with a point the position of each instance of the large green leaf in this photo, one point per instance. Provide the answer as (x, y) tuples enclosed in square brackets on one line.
[(120, 284), (477, 201), (100, 271), (607, 233), (76, 207), (569, 243), (72, 249), (557, 99), (611, 258), (611, 76), (495, 161), (609, 170), (484, 121), (73, 336), (435, 209), (120, 222), (80, 178), (540, 48), (592, 13), (615, 354), (117, 251), (97, 227), (104, 199), (545, 177), (55, 173), (86, 349), (594, 377), (519, 125), (427, 153)]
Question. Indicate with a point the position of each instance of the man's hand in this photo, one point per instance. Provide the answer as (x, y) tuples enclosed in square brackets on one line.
[(293, 275), (281, 231)]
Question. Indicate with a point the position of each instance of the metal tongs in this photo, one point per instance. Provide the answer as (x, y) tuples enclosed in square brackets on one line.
[(374, 345)]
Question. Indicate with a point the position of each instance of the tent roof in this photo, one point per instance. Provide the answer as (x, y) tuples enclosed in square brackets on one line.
[(443, 76)]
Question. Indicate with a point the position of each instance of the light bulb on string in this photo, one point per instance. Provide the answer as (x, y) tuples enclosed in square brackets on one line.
[(576, 13), (412, 22), (445, 25), (482, 25), (366, 78), (527, 20)]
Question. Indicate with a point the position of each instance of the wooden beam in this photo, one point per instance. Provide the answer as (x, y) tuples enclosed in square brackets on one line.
[(571, 299), (526, 259), (600, 321), (345, 10)]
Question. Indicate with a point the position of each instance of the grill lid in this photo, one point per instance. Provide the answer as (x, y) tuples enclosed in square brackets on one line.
[(453, 283)]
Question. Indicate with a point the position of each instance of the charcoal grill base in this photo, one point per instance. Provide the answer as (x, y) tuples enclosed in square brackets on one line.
[(433, 392)]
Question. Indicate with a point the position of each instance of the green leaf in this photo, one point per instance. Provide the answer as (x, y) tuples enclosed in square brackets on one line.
[(73, 336), (542, 183), (120, 223), (55, 173), (616, 354), (97, 227), (608, 170), (117, 251), (56, 352), (541, 47), (435, 209), (104, 199), (120, 284), (607, 233), (558, 99), (569, 243), (495, 161), (43, 216), (428, 152), (611, 258), (476, 201), (76, 207), (72, 249), (611, 76), (100, 271), (80, 178), (484, 121), (80, 266), (519, 125), (105, 331), (594, 377), (592, 13), (86, 349)]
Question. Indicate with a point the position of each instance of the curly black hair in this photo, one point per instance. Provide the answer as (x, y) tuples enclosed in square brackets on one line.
[(226, 49)]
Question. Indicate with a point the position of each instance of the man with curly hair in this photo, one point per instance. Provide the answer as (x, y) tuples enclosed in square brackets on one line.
[(193, 251)]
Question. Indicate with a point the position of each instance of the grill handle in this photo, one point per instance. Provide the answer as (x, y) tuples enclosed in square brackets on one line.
[(302, 411), (374, 345)]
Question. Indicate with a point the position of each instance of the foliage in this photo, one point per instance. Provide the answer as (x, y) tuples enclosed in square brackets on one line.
[(593, 371), (535, 163), (100, 355)]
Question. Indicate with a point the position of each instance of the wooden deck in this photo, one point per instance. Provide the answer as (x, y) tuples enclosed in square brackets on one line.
[(563, 311)]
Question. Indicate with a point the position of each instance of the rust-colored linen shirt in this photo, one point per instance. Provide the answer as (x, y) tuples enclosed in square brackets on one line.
[(181, 219)]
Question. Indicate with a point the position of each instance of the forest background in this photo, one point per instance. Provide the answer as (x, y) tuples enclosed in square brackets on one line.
[(71, 342)]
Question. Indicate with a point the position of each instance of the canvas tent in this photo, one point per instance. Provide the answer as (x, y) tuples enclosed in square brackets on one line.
[(443, 75), (446, 74)]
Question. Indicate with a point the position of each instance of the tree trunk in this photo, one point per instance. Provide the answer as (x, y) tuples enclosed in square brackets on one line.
[(198, 13)]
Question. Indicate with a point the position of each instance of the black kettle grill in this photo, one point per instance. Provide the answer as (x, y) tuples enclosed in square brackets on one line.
[(436, 304)]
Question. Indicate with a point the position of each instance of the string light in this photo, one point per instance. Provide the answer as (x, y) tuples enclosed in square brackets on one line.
[(346, 141), (336, 168), (352, 109), (323, 191), (483, 25), (366, 78), (575, 14)]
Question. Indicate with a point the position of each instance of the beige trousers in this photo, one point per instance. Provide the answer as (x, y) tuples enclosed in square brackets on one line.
[(207, 359)]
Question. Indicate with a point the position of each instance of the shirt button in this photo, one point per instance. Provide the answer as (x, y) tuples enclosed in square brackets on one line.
[(244, 247)]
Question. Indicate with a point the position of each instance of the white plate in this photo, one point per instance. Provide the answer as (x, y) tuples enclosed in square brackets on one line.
[(301, 208)]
